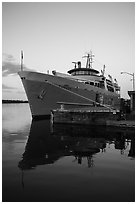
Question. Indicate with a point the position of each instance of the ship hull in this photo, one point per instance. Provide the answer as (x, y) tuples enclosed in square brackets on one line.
[(45, 92)]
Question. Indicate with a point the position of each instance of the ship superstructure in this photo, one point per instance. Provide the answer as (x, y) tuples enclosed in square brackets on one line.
[(82, 85)]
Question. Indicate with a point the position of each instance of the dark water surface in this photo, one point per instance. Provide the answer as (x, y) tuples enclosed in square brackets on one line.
[(42, 162)]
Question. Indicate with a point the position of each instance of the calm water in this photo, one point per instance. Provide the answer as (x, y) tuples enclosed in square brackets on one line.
[(64, 163)]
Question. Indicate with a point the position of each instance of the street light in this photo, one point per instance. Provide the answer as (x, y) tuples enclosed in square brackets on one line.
[(133, 78)]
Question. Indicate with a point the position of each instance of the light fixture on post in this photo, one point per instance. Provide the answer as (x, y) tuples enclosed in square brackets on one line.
[(132, 79)]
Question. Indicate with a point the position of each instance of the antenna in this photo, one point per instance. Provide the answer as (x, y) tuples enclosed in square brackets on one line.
[(89, 57), (103, 72), (21, 60), (75, 64)]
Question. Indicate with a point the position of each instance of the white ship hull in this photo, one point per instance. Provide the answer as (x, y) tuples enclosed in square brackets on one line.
[(44, 91)]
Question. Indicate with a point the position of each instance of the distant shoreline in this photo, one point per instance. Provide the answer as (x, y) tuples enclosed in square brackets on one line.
[(14, 101)]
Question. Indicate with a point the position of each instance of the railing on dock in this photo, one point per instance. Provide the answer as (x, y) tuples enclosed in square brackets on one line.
[(93, 107), (82, 113)]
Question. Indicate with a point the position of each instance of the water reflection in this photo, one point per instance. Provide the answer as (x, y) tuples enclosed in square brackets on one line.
[(64, 163), (46, 144)]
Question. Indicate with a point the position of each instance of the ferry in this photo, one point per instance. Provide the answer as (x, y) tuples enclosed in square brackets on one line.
[(82, 85)]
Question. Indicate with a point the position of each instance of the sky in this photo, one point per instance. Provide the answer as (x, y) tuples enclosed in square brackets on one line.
[(54, 34)]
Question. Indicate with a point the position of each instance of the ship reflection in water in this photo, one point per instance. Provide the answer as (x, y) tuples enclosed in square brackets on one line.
[(75, 163), (47, 144), (63, 163)]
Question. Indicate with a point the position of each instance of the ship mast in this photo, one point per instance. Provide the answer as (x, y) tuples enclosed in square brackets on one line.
[(89, 62)]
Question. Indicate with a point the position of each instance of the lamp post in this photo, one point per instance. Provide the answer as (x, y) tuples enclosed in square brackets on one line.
[(132, 79)]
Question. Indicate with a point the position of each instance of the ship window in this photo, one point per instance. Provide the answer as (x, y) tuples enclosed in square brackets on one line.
[(115, 85), (110, 88), (118, 89), (86, 82), (109, 82), (81, 72), (23, 78), (77, 72), (86, 72), (92, 83), (97, 84)]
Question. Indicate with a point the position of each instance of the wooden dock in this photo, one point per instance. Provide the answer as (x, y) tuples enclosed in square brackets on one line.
[(88, 114)]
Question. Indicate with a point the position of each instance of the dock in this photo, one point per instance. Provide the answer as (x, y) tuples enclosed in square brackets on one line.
[(88, 114)]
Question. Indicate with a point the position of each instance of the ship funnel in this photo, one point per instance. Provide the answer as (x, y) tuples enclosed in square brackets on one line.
[(79, 64)]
